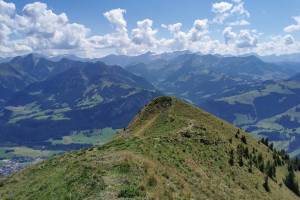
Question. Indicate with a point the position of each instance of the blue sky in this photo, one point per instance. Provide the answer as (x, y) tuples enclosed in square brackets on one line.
[(266, 21), (269, 16)]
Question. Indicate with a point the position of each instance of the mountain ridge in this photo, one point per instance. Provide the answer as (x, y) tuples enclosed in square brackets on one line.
[(170, 150), (69, 96)]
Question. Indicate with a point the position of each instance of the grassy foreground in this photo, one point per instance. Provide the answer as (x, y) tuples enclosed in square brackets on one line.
[(171, 150)]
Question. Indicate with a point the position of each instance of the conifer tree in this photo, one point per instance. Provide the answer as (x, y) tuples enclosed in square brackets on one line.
[(271, 170), (290, 181), (244, 139), (241, 162), (250, 169), (231, 159), (271, 146), (262, 167), (246, 153), (266, 184)]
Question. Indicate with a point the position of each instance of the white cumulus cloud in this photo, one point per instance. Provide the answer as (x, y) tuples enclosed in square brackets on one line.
[(37, 28), (144, 34), (288, 40), (221, 7), (234, 12), (116, 17), (245, 38), (293, 27)]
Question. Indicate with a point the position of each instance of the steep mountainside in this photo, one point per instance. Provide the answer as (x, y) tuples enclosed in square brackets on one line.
[(39, 68), (201, 77), (87, 96), (22, 71), (11, 81), (171, 150), (270, 110)]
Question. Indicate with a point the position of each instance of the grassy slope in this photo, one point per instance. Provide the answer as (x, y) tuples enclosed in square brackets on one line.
[(94, 137), (171, 150)]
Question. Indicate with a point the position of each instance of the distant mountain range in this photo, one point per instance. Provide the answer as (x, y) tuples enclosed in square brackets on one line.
[(62, 94), (282, 58), (43, 99), (262, 97)]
